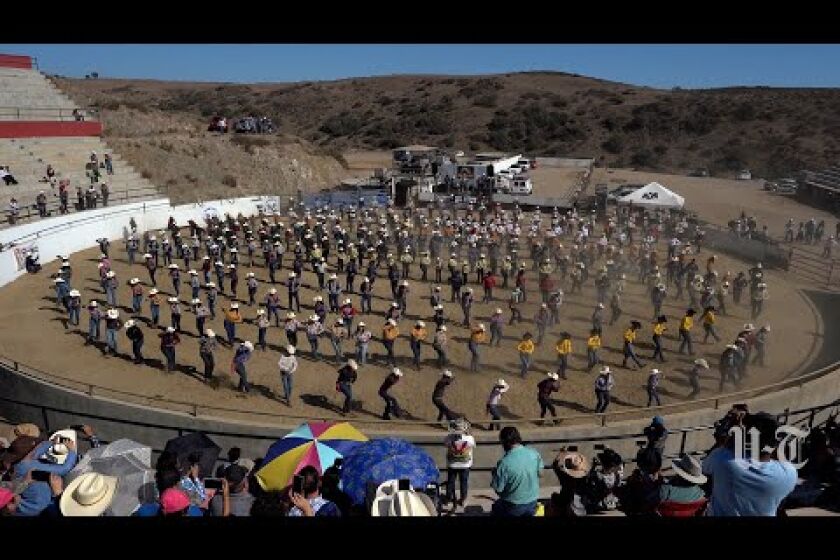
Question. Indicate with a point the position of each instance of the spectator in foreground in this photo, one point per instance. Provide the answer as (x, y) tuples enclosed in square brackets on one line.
[(744, 487), (311, 503), (571, 469), (681, 495), (459, 458), (173, 502), (516, 477), (239, 500)]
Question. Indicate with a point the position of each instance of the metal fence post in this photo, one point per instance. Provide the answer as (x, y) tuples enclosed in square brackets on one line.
[(682, 442), (811, 419), (195, 410)]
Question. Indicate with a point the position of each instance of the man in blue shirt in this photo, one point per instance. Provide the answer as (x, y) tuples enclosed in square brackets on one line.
[(745, 487), (516, 477)]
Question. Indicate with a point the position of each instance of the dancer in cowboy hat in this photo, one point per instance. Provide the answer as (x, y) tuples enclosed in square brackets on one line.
[(545, 388), (135, 335), (347, 375), (391, 404), (499, 388), (206, 349), (288, 365)]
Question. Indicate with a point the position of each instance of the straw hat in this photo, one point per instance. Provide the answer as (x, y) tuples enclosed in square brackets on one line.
[(689, 468), (209, 333), (89, 495), (113, 314), (573, 464)]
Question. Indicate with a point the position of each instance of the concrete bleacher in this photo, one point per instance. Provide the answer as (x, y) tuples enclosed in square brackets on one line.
[(36, 116), (28, 159), (29, 95)]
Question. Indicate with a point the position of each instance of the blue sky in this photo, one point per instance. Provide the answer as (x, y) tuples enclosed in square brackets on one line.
[(663, 66)]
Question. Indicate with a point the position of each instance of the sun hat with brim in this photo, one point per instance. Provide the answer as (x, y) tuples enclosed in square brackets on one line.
[(66, 434), (27, 429), (173, 500), (688, 467), (89, 495), (573, 464), (20, 447), (113, 313)]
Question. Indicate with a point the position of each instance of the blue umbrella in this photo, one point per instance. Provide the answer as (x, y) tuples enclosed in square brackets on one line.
[(378, 460)]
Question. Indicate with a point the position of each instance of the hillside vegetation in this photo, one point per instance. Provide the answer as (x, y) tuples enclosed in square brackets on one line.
[(771, 131)]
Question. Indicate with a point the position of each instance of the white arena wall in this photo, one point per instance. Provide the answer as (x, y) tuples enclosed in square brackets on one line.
[(64, 235)]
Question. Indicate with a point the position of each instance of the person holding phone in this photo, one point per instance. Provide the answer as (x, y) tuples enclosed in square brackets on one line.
[(306, 496)]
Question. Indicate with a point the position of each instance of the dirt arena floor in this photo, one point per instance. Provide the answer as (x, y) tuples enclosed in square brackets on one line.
[(34, 332)]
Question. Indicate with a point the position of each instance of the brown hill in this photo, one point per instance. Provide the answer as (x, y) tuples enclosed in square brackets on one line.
[(772, 131)]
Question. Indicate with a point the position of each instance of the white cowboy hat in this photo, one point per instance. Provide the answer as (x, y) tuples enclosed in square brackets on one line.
[(130, 323), (170, 329), (688, 467), (390, 322), (749, 327), (420, 324), (260, 311), (353, 365), (290, 350), (111, 274), (173, 266), (195, 301), (290, 315), (605, 369), (210, 285), (292, 275), (655, 371), (347, 301), (59, 280), (134, 281), (147, 256), (249, 345), (231, 266), (552, 375), (362, 323), (447, 373), (250, 275), (89, 495), (503, 385), (702, 363), (66, 434), (75, 293), (481, 327), (193, 272), (113, 313), (93, 304), (172, 300), (397, 372), (209, 333), (234, 305)]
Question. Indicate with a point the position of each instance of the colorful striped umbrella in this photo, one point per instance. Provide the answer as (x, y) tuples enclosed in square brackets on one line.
[(317, 444)]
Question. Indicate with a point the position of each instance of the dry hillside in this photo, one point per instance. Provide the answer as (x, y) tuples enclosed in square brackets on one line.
[(771, 131)]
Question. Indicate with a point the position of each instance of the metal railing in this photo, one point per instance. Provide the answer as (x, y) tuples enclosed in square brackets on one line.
[(600, 419), (29, 210), (60, 113)]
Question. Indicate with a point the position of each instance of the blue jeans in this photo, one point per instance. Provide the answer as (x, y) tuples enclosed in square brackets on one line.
[(339, 355), (463, 476), (389, 348), (111, 338), (155, 314), (525, 361), (287, 387), (361, 353), (74, 315), (169, 353), (195, 292), (475, 361), (230, 329), (592, 357), (274, 312), (495, 335), (415, 349), (346, 389), (493, 410), (93, 329), (502, 508), (313, 342), (685, 342), (261, 338), (111, 294), (136, 302), (243, 377)]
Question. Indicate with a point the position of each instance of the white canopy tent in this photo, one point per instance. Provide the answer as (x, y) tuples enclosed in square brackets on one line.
[(654, 195)]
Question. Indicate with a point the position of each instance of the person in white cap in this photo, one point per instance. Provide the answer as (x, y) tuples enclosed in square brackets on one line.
[(652, 387), (604, 383), (111, 285), (544, 390), (391, 404), (74, 307), (293, 286), (112, 325), (288, 365), (135, 335), (168, 340), (242, 355), (699, 365), (499, 388), (206, 349), (347, 375), (437, 396), (95, 317)]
